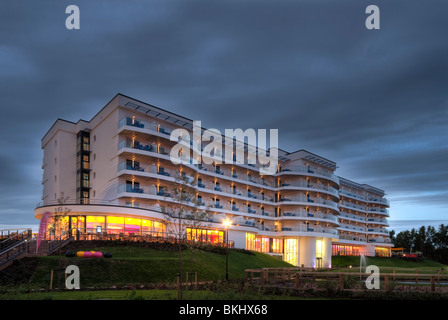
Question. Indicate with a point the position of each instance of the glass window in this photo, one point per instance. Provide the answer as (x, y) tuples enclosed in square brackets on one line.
[(132, 225), (115, 225), (277, 245), (291, 251), (318, 248), (250, 241), (92, 222)]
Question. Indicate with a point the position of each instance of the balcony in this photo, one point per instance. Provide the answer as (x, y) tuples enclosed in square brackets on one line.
[(377, 220), (347, 227), (344, 215), (311, 171), (307, 215), (305, 199), (352, 195), (318, 187), (163, 193), (129, 188), (144, 124), (379, 200), (377, 230), (163, 172), (379, 240), (378, 210), (309, 228), (352, 238), (127, 166)]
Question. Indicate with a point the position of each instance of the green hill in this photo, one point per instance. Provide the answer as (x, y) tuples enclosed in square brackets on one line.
[(135, 265)]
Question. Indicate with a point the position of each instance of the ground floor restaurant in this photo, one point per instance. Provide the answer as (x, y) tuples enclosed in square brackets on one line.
[(356, 250), (314, 252)]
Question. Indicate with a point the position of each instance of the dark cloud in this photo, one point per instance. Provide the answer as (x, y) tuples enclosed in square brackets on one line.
[(373, 101)]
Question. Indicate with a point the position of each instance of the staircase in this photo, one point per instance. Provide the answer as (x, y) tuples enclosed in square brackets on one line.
[(16, 245)]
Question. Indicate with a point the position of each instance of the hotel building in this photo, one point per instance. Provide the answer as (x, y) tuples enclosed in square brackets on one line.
[(114, 175)]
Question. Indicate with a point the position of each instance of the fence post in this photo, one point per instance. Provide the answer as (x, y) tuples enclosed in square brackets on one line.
[(386, 282), (433, 288), (178, 286), (51, 280), (341, 281), (196, 280)]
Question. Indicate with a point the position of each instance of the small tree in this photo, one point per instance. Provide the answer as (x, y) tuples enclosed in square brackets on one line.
[(59, 225), (182, 212)]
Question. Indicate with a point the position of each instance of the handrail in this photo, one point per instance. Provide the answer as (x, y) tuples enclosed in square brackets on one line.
[(11, 254), (8, 242)]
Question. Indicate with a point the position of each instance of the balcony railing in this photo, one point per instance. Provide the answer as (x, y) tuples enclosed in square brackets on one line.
[(352, 194), (379, 200), (352, 228), (314, 186), (351, 216), (310, 200), (310, 228), (307, 215), (352, 205), (306, 169)]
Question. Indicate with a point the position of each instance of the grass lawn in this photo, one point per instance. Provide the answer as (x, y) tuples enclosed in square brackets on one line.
[(387, 265), (136, 267), (133, 266)]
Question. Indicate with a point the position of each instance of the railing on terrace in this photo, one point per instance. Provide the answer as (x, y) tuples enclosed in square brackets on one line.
[(307, 214), (304, 228), (304, 184), (378, 210), (377, 230), (352, 205), (352, 228), (377, 220), (11, 237), (379, 200), (120, 234), (145, 125), (167, 172), (352, 238), (306, 169), (352, 194), (310, 200), (351, 216), (379, 240)]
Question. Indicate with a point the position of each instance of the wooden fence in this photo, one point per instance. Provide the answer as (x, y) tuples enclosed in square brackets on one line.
[(302, 279)]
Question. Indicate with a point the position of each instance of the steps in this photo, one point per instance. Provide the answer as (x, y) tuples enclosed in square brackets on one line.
[(22, 244)]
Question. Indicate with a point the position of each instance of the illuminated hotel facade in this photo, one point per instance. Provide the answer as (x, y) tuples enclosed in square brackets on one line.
[(113, 175)]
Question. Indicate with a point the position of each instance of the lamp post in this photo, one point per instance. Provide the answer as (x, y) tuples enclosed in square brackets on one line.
[(227, 224)]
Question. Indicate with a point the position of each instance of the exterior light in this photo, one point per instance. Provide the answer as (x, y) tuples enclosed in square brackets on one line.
[(227, 223)]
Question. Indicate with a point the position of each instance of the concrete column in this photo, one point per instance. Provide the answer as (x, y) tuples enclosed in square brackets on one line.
[(307, 250), (326, 252)]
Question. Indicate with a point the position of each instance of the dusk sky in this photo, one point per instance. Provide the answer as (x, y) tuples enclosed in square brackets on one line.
[(373, 101)]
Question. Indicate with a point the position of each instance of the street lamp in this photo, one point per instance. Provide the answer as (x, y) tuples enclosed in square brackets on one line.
[(227, 223)]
